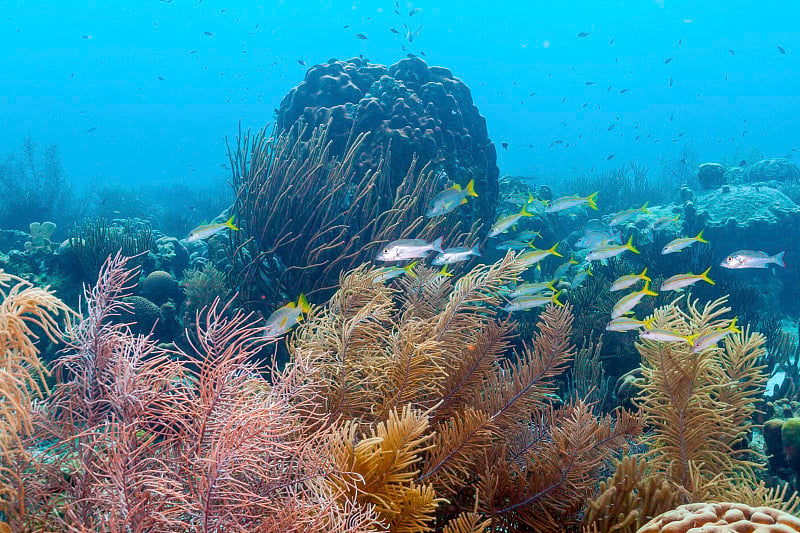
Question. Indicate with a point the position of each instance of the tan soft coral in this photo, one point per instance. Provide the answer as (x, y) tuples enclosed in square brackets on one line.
[(722, 518)]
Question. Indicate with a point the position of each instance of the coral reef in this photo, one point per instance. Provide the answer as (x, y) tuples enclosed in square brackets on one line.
[(96, 241), (304, 216), (776, 169), (40, 237), (723, 517), (711, 175), (411, 112), (159, 286)]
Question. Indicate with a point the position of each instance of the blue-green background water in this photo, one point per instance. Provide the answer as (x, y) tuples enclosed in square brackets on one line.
[(70, 67)]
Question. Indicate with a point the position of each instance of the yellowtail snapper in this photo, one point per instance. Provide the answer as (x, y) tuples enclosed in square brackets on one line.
[(683, 242), (568, 202), (630, 300), (447, 200), (504, 223), (627, 323), (204, 231), (534, 256), (611, 250), (624, 216), (680, 281), (532, 301), (386, 273), (707, 340)]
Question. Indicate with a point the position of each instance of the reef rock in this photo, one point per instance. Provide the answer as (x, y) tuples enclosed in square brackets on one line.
[(410, 107), (711, 175), (776, 169)]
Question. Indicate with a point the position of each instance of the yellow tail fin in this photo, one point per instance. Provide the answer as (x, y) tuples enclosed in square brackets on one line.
[(303, 304), (229, 223), (704, 276), (643, 275), (553, 250), (644, 209), (524, 212), (409, 268), (471, 189), (555, 298), (591, 200), (732, 326), (444, 272), (646, 290), (629, 245), (700, 238)]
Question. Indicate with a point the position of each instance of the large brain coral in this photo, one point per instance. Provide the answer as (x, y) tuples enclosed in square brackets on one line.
[(410, 107), (722, 518)]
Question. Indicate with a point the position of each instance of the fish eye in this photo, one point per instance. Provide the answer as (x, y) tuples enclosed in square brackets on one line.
[(386, 250)]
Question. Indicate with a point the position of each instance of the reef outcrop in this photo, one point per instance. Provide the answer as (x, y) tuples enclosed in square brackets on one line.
[(408, 109)]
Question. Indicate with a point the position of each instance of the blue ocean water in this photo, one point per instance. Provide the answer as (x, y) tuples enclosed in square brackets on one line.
[(139, 92)]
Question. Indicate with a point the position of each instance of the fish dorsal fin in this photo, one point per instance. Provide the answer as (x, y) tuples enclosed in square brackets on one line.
[(456, 187), (291, 305)]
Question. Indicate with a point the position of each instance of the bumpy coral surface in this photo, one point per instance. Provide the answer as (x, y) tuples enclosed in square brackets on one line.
[(415, 108), (722, 518)]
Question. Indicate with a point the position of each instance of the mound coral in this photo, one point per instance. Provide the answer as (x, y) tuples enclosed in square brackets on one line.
[(723, 518)]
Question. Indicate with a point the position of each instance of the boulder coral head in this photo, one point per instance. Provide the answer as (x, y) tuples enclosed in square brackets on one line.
[(412, 108), (722, 518)]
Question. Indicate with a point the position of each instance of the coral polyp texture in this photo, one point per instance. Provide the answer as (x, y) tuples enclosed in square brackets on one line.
[(722, 518), (408, 109)]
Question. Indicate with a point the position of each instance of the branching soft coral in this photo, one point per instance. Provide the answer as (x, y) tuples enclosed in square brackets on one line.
[(433, 354), (142, 439), (24, 311)]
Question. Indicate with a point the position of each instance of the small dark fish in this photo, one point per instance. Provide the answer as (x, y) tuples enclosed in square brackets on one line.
[(744, 133), (361, 36), (222, 11), (611, 41), (86, 37), (564, 99), (680, 41), (670, 81), (668, 60), (422, 52), (192, 51), (742, 163), (681, 134), (346, 26), (394, 30), (671, 116), (72, 76), (782, 50), (162, 78), (208, 34), (623, 91), (414, 11), (611, 127), (588, 83), (609, 89), (585, 104), (559, 142), (397, 12), (731, 51), (584, 34), (301, 62), (90, 130), (504, 145), (610, 157)]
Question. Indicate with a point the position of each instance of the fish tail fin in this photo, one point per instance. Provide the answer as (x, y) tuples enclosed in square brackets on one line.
[(409, 268), (644, 209), (471, 189), (646, 290), (592, 200), (303, 304), (704, 277), (700, 238), (476, 250), (229, 223), (690, 338), (524, 211), (552, 285), (643, 275), (555, 300), (732, 326), (530, 198), (779, 259), (629, 245), (553, 250), (648, 322), (444, 272), (436, 245), (676, 217)]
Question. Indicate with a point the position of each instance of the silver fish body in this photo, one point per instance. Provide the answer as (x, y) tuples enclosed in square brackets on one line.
[(752, 259), (403, 249)]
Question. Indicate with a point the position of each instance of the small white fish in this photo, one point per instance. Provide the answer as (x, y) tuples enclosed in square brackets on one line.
[(630, 300), (665, 222), (752, 259), (456, 255), (664, 335), (285, 318), (403, 249), (624, 216), (532, 301), (611, 250), (580, 277), (504, 223), (568, 202), (514, 245), (527, 289), (534, 256), (204, 231), (379, 275), (707, 340), (447, 200), (679, 281), (627, 323), (683, 242), (563, 268), (623, 282)]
